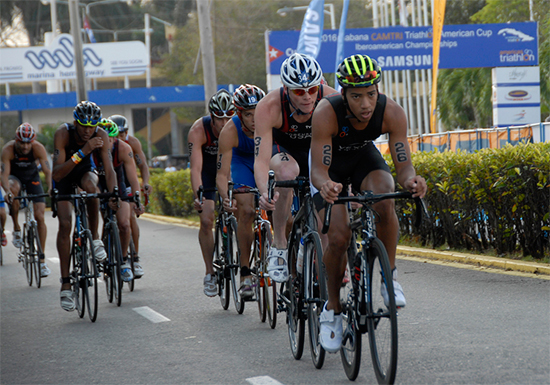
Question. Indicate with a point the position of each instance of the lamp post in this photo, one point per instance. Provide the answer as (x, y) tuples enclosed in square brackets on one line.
[(285, 10)]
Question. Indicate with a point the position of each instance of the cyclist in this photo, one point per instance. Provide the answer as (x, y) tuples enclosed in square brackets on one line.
[(203, 150), (236, 162), (342, 152), (72, 165), (19, 167), (125, 168), (283, 137), (141, 163)]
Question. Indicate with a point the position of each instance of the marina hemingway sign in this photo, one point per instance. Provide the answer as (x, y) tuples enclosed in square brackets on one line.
[(410, 48), (56, 61)]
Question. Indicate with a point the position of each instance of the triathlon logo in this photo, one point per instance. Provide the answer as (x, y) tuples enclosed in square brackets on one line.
[(513, 35), (61, 56)]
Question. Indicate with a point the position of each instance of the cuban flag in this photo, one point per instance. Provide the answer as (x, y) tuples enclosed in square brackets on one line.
[(311, 34)]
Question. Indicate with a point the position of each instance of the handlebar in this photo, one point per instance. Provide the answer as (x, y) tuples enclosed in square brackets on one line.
[(368, 198), (81, 195)]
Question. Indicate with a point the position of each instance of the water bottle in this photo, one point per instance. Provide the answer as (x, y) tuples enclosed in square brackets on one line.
[(300, 259)]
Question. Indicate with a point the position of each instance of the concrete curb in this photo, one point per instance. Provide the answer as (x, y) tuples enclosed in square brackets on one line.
[(478, 260), (449, 256)]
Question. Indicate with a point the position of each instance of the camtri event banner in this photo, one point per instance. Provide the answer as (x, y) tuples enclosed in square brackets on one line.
[(56, 61), (409, 48)]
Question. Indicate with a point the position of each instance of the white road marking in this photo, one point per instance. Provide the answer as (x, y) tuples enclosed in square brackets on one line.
[(150, 314), (263, 380)]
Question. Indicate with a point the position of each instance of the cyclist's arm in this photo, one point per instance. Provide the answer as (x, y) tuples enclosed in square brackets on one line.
[(268, 115), (324, 126), (41, 154), (227, 141), (7, 156), (126, 155), (107, 159), (141, 161), (196, 139), (61, 167), (395, 124)]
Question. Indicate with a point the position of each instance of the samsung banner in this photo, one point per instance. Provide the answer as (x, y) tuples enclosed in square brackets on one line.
[(409, 48), (516, 96), (56, 61)]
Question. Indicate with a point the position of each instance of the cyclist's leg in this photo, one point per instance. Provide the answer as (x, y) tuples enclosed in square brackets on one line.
[(64, 216), (15, 189), (88, 183), (206, 238), (34, 187), (245, 235), (134, 230), (123, 221)]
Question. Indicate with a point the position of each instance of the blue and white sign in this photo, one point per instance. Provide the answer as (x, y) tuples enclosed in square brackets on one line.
[(56, 61), (516, 96), (408, 48)]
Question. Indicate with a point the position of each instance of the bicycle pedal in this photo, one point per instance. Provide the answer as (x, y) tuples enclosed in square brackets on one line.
[(249, 299)]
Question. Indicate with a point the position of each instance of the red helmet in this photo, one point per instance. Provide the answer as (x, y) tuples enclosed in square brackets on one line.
[(25, 133)]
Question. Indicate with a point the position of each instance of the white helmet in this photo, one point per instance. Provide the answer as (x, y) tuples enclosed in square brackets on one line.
[(301, 71)]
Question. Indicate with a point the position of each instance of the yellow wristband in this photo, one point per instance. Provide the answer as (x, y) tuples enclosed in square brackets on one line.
[(75, 158)]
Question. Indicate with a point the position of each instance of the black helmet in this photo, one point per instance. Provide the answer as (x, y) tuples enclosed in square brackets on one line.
[(221, 104), (87, 113), (247, 97), (121, 122), (358, 71)]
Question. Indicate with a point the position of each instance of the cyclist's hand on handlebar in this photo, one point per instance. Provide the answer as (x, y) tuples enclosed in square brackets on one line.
[(330, 190), (114, 203), (9, 198), (147, 189), (417, 186), (198, 205), (230, 206), (138, 209), (268, 204)]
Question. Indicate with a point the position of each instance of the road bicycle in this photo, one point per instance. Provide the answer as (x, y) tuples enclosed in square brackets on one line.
[(31, 251), (265, 287), (132, 253), (111, 267), (363, 307), (85, 270), (305, 293)]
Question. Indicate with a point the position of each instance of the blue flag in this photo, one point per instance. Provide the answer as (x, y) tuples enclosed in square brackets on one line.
[(311, 34), (340, 46)]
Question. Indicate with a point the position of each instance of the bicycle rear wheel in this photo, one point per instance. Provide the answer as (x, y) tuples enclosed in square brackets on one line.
[(34, 250), (294, 290), (77, 275), (261, 281), (220, 262), (269, 292), (317, 291), (90, 278), (350, 353), (381, 319), (116, 251), (132, 254), (108, 267), (27, 258), (235, 264)]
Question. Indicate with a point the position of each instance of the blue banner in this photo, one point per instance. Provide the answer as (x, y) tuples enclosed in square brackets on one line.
[(341, 38), (311, 35), (408, 48)]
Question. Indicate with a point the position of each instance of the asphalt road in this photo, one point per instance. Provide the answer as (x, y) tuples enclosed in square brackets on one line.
[(461, 326)]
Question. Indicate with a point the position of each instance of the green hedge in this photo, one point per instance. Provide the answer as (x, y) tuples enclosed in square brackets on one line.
[(490, 199)]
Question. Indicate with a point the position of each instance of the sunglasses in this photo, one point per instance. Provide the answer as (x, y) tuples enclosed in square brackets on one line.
[(90, 123), (356, 79), (223, 114), (301, 91)]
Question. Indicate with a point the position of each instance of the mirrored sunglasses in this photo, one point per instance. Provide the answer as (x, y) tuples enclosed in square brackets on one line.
[(356, 79), (223, 114), (302, 91)]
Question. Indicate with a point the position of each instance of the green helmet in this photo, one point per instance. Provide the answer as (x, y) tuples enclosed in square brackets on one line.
[(358, 71), (109, 126)]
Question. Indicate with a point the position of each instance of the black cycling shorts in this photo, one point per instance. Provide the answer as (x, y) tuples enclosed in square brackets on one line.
[(300, 156), (66, 185), (33, 186)]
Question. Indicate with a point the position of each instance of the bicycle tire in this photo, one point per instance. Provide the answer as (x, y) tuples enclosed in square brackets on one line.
[(296, 318), (131, 258), (90, 279), (352, 345), (108, 268), (24, 252), (317, 288), (235, 264), (117, 252), (260, 288), (270, 286), (34, 252), (222, 274), (77, 274), (381, 320)]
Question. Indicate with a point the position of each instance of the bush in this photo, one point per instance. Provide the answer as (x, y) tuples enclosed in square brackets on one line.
[(172, 193)]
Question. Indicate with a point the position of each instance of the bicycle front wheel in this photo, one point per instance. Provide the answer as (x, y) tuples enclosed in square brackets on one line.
[(381, 317), (77, 274), (221, 261), (90, 277), (269, 290), (132, 254), (350, 353), (27, 257), (34, 251), (294, 291), (116, 252), (235, 264), (317, 295)]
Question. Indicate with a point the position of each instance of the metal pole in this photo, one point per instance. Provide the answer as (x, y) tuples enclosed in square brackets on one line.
[(207, 50), (74, 19), (148, 47), (331, 12), (149, 135)]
